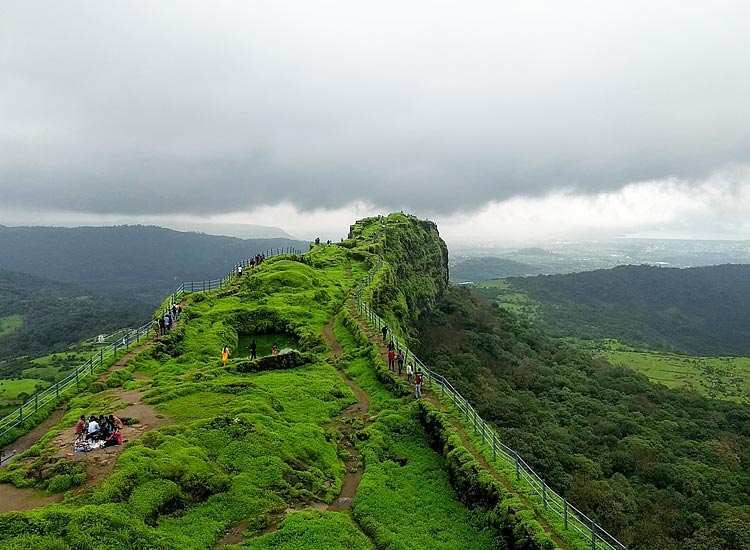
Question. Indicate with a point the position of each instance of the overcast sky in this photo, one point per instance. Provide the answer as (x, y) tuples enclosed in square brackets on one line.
[(510, 120)]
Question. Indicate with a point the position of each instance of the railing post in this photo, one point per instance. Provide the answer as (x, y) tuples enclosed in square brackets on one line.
[(20, 414), (544, 494), (91, 367), (57, 390), (518, 473), (101, 357), (593, 535), (77, 377), (565, 513), (36, 402), (494, 448), (483, 436)]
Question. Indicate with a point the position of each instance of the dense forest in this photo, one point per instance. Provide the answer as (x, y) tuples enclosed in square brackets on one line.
[(52, 315), (141, 263), (698, 311), (663, 470)]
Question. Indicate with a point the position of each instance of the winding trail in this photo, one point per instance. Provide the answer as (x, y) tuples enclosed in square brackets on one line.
[(345, 420), (99, 463), (428, 395)]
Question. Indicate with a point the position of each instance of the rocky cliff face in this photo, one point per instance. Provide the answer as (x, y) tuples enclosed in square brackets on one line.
[(415, 273)]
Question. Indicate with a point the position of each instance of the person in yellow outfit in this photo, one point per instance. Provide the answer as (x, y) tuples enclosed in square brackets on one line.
[(225, 355)]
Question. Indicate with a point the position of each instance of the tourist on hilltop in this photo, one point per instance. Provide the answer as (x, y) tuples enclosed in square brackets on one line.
[(155, 327), (418, 384), (162, 326), (391, 345), (93, 430), (391, 359), (400, 361), (253, 348), (274, 350), (384, 330), (179, 311), (81, 425), (116, 422), (174, 311), (169, 320), (225, 355), (239, 271), (409, 372), (115, 438)]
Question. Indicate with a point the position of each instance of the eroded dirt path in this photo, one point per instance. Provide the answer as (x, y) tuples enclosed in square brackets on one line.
[(100, 462), (348, 422), (377, 339)]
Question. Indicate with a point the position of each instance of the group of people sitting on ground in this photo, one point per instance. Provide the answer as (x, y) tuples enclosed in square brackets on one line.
[(96, 432)]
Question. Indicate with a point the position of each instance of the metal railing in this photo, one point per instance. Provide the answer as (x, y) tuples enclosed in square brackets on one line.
[(83, 374), (79, 378), (572, 517)]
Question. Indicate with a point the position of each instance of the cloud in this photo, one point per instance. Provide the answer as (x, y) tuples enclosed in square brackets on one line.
[(186, 108)]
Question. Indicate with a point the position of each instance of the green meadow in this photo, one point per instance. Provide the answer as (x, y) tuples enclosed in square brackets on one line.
[(716, 377), (10, 323)]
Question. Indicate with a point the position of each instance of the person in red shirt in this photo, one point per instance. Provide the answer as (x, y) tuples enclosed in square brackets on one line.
[(391, 359), (80, 425), (418, 384)]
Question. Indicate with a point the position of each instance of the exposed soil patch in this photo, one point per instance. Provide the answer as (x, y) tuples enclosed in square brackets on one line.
[(13, 499), (27, 440), (101, 462)]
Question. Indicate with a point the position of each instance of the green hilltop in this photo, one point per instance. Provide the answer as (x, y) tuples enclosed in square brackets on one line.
[(317, 447), (322, 446)]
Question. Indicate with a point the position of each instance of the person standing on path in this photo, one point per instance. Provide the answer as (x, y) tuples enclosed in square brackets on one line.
[(253, 349), (391, 360), (418, 384), (400, 361), (225, 355), (385, 332), (409, 372), (155, 327)]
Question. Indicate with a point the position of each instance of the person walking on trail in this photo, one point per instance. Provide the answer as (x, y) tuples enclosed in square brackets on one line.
[(400, 361), (409, 372), (418, 384), (225, 355), (385, 332), (155, 327), (162, 325), (391, 360), (253, 348)]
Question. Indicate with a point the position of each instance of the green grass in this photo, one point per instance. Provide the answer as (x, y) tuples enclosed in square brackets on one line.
[(716, 377), (405, 500), (10, 389), (311, 529), (10, 323)]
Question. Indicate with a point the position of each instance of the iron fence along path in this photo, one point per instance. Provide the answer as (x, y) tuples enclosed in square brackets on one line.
[(45, 401), (572, 517)]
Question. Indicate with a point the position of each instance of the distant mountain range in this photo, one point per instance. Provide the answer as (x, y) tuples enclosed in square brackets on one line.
[(140, 263)]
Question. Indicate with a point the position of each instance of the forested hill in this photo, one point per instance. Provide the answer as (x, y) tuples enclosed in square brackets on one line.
[(699, 311), (143, 263), (38, 316)]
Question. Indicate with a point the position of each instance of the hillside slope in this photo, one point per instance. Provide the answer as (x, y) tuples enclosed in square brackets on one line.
[(258, 447), (699, 311), (51, 315), (140, 263)]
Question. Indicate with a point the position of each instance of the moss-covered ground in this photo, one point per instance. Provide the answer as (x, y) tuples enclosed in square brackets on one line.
[(249, 443)]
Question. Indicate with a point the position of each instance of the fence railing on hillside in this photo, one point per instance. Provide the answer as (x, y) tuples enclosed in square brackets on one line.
[(53, 395), (572, 517)]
